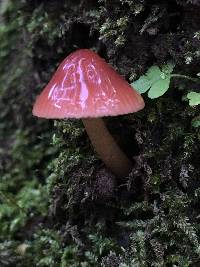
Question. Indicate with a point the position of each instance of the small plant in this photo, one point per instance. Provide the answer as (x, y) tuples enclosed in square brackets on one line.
[(157, 81)]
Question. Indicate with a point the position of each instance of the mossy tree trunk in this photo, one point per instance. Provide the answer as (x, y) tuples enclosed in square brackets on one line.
[(59, 205)]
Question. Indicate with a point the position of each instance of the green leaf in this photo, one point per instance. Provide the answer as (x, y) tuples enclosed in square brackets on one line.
[(159, 88), (194, 98), (168, 68), (155, 80), (196, 122), (141, 85), (153, 74)]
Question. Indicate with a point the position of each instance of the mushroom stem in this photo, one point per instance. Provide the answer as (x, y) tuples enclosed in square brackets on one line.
[(106, 147)]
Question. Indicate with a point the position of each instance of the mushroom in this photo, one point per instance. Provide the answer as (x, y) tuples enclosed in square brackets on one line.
[(85, 86)]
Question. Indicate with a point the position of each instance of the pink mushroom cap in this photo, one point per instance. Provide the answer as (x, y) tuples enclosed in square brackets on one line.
[(85, 86)]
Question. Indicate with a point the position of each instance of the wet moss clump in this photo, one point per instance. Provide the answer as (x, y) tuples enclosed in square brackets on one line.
[(59, 205)]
